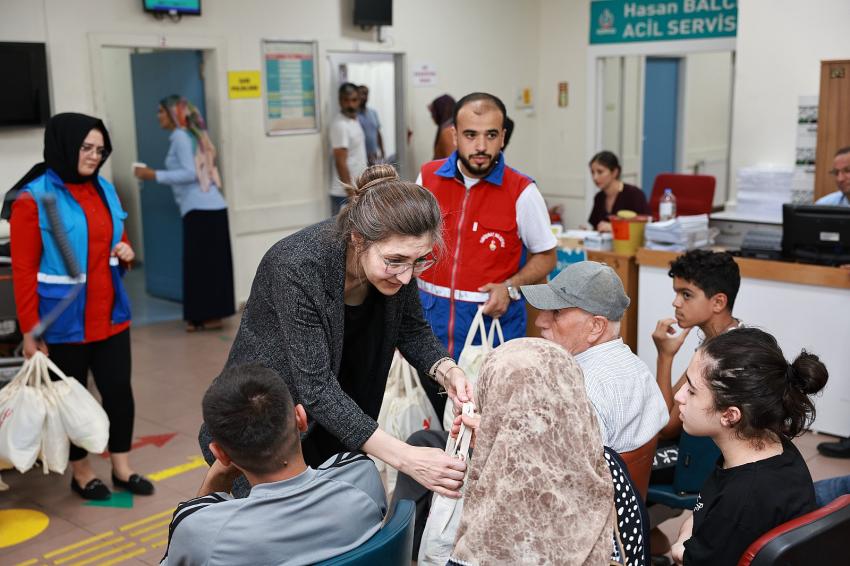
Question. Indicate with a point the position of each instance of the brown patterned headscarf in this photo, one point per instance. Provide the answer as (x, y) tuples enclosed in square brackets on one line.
[(539, 490)]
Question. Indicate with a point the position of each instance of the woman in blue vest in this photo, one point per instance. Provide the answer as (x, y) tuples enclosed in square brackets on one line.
[(93, 332), (191, 171)]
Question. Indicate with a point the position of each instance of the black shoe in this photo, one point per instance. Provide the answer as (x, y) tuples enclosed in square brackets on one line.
[(95, 490), (136, 484), (840, 449)]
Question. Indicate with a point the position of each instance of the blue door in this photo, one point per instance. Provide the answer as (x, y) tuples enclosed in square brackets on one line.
[(660, 119), (155, 76)]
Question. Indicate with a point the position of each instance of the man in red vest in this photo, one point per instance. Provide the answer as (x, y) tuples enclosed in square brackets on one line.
[(497, 231)]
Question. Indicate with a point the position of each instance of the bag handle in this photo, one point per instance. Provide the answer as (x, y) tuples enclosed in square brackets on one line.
[(477, 325), (460, 446), (496, 326)]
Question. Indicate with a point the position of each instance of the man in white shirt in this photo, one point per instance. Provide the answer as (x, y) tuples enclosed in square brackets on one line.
[(348, 146), (841, 172), (581, 310)]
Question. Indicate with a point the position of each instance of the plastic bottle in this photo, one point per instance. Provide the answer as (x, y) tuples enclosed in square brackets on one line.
[(667, 206)]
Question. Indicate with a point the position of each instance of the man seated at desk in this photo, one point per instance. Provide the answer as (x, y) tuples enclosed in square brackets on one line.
[(841, 172)]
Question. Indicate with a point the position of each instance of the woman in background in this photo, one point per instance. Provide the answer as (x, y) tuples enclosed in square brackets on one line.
[(191, 171), (442, 112), (614, 195), (93, 332)]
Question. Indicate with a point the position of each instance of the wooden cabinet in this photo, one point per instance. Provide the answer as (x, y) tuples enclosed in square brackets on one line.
[(626, 267), (833, 121)]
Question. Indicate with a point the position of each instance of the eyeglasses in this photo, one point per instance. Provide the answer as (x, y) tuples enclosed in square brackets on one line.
[(836, 172), (399, 267), (99, 150)]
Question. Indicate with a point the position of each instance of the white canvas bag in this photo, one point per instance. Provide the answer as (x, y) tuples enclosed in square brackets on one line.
[(55, 445), (22, 415), (438, 538), (404, 410), (471, 357)]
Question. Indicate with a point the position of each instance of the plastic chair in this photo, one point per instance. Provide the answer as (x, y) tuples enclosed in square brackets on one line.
[(697, 458), (819, 537), (639, 463), (390, 546), (694, 193)]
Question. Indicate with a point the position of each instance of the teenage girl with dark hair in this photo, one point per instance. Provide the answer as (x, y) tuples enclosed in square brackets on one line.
[(614, 195), (743, 394)]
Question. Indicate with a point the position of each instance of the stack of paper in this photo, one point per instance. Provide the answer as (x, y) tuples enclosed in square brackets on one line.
[(763, 189), (679, 234)]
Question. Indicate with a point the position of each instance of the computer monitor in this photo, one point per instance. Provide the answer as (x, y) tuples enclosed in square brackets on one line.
[(816, 234)]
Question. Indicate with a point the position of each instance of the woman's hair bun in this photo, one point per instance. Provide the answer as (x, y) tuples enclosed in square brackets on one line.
[(808, 373), (374, 175)]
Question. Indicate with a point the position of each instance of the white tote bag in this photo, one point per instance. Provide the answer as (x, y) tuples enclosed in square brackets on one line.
[(22, 415), (472, 357), (438, 538), (55, 445), (85, 421), (404, 410)]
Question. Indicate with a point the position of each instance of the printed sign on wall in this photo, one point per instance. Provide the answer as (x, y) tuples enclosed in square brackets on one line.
[(624, 21)]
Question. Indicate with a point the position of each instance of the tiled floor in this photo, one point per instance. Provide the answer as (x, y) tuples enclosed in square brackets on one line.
[(171, 370), (148, 309)]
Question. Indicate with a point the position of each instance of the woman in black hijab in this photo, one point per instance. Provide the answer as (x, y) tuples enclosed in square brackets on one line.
[(93, 332)]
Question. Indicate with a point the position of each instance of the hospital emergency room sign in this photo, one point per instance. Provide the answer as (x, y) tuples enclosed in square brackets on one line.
[(624, 21)]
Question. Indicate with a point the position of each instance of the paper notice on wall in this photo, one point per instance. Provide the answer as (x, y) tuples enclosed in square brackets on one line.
[(803, 182), (424, 74)]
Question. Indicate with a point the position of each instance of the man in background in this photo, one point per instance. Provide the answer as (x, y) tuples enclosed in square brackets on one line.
[(348, 146), (841, 173), (371, 125)]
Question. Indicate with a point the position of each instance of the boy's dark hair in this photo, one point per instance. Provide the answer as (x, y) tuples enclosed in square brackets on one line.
[(250, 413), (745, 368), (713, 272), (480, 97)]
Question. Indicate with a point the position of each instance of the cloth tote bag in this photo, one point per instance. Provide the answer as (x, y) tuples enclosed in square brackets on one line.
[(54, 440), (472, 357), (404, 410), (438, 538), (22, 416)]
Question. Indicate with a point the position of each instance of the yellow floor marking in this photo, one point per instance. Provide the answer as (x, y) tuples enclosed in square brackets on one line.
[(28, 562), (83, 542), (163, 542), (149, 537), (97, 557), (150, 528), (129, 526), (123, 557), (19, 525), (104, 544), (193, 463)]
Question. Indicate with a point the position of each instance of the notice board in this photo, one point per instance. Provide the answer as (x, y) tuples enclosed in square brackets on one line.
[(291, 100)]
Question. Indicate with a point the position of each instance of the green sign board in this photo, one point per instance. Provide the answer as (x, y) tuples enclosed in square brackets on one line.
[(625, 21)]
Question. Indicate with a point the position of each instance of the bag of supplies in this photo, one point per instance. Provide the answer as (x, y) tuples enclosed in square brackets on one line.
[(404, 410), (438, 538), (22, 416), (471, 357)]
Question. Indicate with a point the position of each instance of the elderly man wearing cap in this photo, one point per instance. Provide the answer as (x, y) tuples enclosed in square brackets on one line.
[(581, 310)]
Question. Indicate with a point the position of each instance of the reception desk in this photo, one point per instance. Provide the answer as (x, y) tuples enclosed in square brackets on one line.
[(803, 306)]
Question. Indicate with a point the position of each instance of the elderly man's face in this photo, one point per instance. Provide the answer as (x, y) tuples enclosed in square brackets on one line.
[(841, 170), (570, 328)]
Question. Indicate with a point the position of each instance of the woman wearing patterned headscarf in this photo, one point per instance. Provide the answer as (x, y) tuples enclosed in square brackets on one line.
[(191, 171), (539, 490)]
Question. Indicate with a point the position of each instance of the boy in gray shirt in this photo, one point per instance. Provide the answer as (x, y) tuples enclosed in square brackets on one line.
[(294, 514)]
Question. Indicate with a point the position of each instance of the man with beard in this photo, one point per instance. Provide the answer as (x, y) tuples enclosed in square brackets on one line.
[(496, 226), (348, 146)]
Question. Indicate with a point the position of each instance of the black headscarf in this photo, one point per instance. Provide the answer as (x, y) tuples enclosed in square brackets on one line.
[(63, 138)]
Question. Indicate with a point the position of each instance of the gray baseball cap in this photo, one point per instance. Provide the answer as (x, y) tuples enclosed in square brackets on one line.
[(588, 285)]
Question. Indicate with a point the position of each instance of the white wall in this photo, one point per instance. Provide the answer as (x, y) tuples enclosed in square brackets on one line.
[(780, 46)]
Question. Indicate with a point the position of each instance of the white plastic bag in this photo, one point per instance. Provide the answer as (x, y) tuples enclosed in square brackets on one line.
[(85, 421), (55, 445), (471, 357), (404, 410), (22, 416), (438, 538)]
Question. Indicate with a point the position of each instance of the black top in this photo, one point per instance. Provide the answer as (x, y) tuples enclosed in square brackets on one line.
[(630, 198), (738, 505)]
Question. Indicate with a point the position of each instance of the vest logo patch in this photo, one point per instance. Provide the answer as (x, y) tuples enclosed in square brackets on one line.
[(493, 236)]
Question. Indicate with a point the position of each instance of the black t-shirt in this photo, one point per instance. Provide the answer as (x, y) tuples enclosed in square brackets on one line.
[(738, 505), (360, 375)]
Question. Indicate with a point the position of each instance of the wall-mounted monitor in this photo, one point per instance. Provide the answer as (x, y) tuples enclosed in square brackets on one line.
[(24, 97), (373, 12), (183, 7)]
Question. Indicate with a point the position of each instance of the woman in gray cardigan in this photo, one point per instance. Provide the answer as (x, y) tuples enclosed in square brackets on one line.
[(331, 303)]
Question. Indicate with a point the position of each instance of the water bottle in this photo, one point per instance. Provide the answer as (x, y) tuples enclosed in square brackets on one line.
[(667, 206)]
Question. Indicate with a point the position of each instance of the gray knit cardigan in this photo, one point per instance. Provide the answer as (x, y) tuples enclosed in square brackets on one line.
[(293, 323)]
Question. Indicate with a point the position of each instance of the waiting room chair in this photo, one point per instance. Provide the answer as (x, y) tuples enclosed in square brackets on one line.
[(819, 537), (632, 518), (639, 463), (694, 193), (697, 458), (390, 546)]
